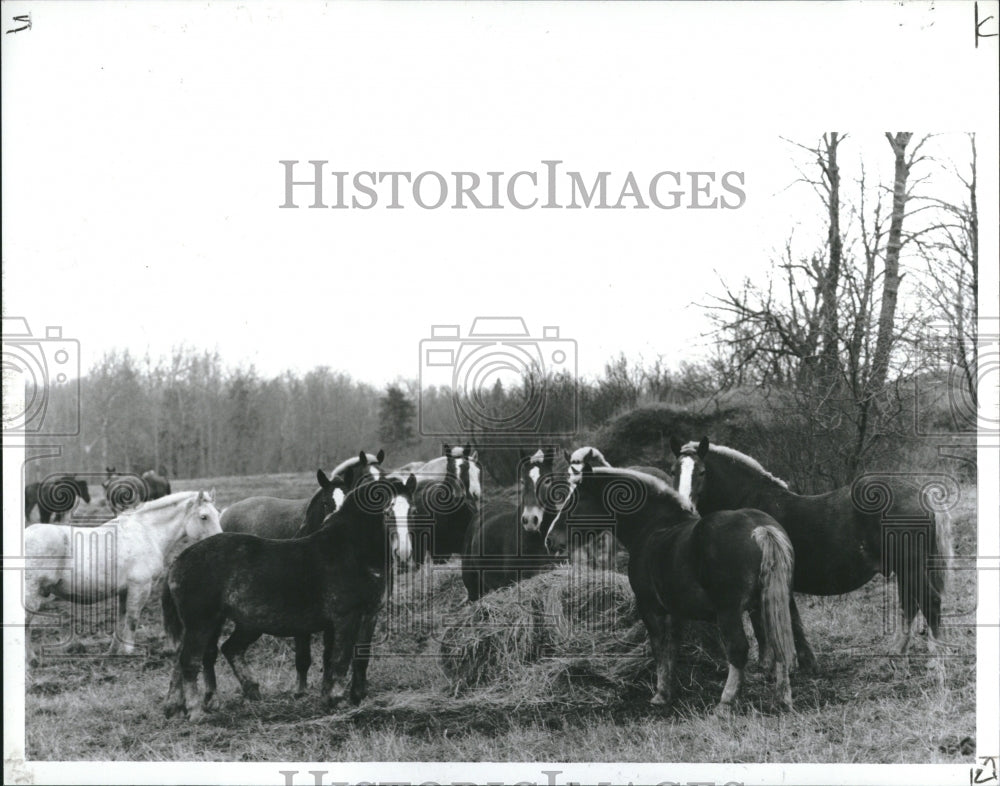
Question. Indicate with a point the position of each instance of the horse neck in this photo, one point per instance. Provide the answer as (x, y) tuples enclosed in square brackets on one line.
[(353, 529), (730, 488), (659, 513), (162, 534)]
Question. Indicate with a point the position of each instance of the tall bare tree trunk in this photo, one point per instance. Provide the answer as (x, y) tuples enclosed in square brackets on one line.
[(891, 277), (831, 281)]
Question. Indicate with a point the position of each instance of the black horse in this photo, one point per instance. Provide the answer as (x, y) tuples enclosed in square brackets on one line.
[(54, 497), (333, 581), (841, 538), (685, 567), (156, 485)]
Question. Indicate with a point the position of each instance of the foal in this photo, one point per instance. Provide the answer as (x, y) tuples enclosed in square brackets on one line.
[(332, 581)]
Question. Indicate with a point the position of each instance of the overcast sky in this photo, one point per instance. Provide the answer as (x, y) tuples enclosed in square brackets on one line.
[(141, 181)]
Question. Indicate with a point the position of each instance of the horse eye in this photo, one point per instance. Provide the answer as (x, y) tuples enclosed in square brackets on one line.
[(204, 517)]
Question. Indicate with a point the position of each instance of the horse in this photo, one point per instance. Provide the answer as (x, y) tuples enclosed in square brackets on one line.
[(447, 501), (123, 557), (842, 538), (271, 517), (508, 546), (156, 485), (682, 566), (601, 550), (332, 580), (54, 497)]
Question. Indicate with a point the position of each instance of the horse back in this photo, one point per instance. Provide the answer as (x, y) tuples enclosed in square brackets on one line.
[(266, 517)]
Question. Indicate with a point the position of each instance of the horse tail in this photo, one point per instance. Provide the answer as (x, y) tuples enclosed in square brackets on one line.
[(944, 547), (777, 564), (171, 618)]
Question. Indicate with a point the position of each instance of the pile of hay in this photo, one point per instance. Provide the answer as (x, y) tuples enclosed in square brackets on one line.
[(559, 636)]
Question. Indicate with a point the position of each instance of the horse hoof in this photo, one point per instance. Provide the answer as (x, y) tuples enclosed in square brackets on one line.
[(358, 696), (172, 709), (299, 693), (659, 700), (724, 711), (196, 715), (252, 692)]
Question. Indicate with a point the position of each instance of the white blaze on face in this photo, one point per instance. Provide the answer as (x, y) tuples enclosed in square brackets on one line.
[(401, 512), (686, 474), (374, 471), (338, 498), (475, 488), (535, 473), (537, 457)]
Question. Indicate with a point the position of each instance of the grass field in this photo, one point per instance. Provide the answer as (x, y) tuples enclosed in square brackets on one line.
[(862, 705)]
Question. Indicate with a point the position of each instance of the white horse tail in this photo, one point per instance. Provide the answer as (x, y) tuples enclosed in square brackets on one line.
[(945, 543), (777, 565)]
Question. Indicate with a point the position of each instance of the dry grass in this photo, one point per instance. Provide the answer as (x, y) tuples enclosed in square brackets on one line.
[(565, 655)]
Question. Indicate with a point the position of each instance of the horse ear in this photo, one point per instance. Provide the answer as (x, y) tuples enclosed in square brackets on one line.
[(587, 469), (362, 458), (467, 450), (380, 456), (567, 455), (703, 448), (549, 454), (324, 481), (522, 454), (211, 495), (446, 449), (675, 445), (201, 497), (411, 484)]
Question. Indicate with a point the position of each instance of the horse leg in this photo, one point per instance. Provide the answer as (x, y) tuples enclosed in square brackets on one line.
[(303, 659), (362, 654), (907, 587), (803, 652), (189, 662), (338, 649), (32, 604), (136, 597), (233, 648), (764, 655), (737, 652), (208, 663), (664, 646), (175, 694)]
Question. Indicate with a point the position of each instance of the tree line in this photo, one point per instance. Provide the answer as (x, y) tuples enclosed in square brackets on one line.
[(827, 335)]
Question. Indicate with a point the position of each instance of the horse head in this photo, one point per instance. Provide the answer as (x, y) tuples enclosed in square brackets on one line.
[(462, 464), (536, 476), (688, 469), (402, 502), (203, 517), (331, 494), (83, 490), (110, 474)]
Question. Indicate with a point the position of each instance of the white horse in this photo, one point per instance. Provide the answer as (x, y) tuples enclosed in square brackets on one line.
[(125, 557)]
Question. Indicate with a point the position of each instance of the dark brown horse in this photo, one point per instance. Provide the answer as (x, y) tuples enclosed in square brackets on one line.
[(880, 524), (333, 581), (507, 546), (54, 497), (682, 566)]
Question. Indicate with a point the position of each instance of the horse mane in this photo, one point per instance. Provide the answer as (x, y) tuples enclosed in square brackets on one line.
[(741, 459), (351, 462), (580, 454), (661, 490), (163, 502)]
